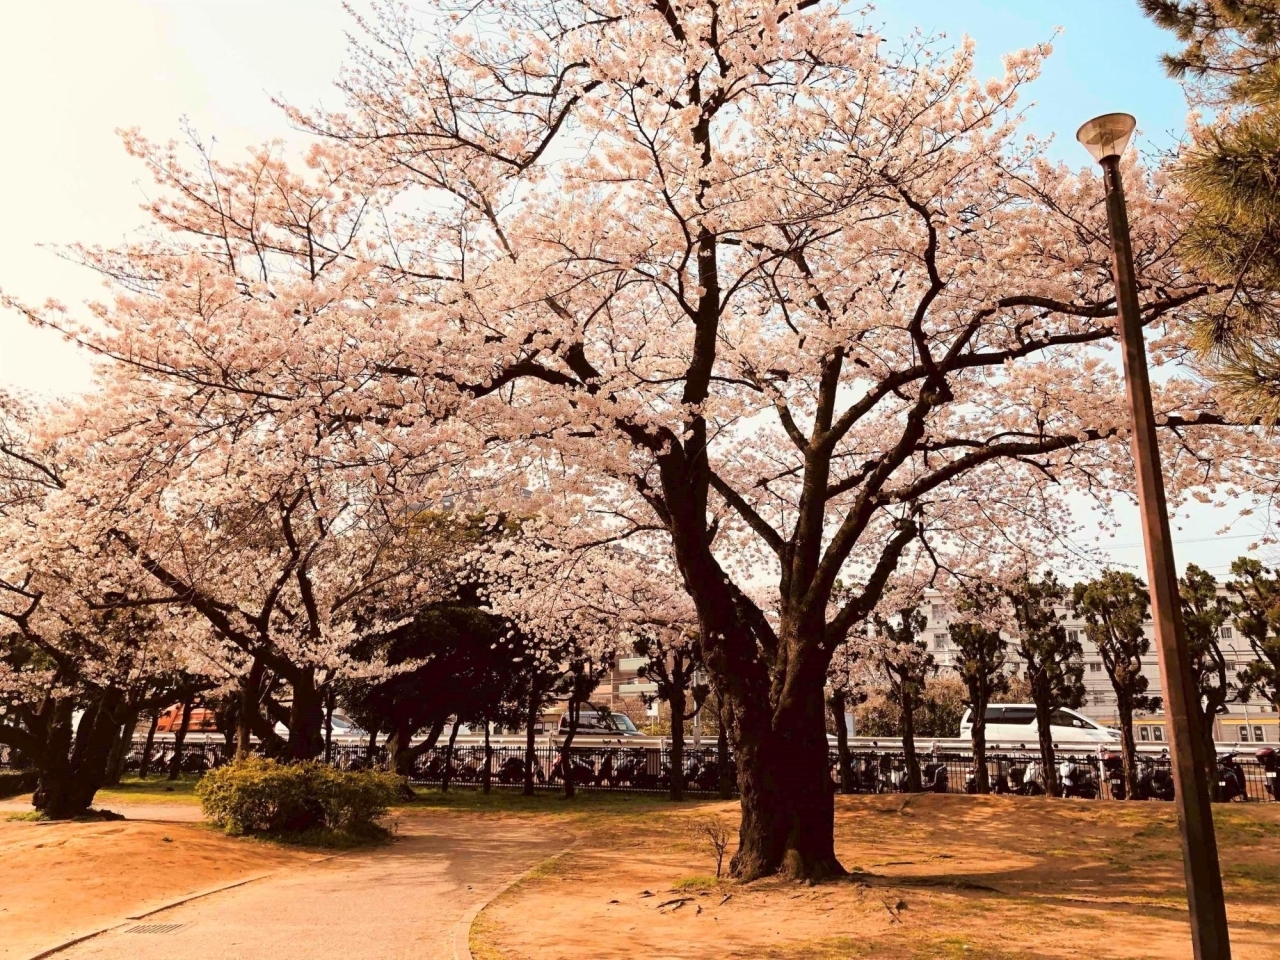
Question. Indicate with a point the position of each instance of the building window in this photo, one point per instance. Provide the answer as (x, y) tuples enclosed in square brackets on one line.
[(1157, 734), (936, 613), (1144, 734), (940, 641), (1257, 734), (1224, 632), (1073, 636), (1243, 734), (1095, 666)]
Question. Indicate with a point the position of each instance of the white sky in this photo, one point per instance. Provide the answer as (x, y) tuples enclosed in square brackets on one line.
[(74, 71)]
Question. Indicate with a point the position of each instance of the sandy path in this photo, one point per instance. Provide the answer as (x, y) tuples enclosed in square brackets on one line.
[(401, 901)]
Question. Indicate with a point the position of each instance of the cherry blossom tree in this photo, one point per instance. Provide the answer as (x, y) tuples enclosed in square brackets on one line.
[(75, 664), (801, 298), (805, 292)]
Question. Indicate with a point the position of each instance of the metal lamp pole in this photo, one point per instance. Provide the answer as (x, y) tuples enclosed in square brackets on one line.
[(1106, 138)]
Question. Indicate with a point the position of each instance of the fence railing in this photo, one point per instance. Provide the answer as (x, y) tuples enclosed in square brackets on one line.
[(648, 769)]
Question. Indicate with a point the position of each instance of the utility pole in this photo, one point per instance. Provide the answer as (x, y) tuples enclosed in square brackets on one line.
[(1105, 138)]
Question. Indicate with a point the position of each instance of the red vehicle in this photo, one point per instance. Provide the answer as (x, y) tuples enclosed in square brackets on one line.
[(202, 720)]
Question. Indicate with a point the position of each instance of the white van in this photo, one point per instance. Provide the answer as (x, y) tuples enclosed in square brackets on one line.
[(1016, 723)]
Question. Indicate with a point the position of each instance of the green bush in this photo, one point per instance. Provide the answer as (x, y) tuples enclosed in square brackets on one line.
[(15, 782), (263, 796)]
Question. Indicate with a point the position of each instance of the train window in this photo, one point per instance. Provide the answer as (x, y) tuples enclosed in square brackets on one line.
[(1144, 734)]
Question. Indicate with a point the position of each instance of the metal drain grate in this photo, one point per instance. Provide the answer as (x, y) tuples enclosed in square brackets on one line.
[(156, 928)]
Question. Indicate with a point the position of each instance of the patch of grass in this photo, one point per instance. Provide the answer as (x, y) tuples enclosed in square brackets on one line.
[(696, 883), (89, 816), (959, 947), (31, 816), (321, 838), (479, 937), (154, 789), (1253, 874), (835, 948), (1244, 826), (543, 802)]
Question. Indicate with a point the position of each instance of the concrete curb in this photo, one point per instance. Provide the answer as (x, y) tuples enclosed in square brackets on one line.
[(462, 931), (67, 944), (200, 895)]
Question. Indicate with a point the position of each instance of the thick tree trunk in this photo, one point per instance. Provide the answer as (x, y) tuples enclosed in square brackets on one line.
[(328, 728), (1128, 749), (487, 781), (566, 748), (1209, 710), (530, 749), (676, 703), (788, 799), (837, 705), (981, 776), (724, 718), (306, 717), (1048, 761), (404, 754), (250, 692), (448, 757), (72, 771), (180, 738), (907, 719), (120, 749), (144, 765)]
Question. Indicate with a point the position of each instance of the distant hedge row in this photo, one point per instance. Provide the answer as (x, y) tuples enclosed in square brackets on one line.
[(16, 782)]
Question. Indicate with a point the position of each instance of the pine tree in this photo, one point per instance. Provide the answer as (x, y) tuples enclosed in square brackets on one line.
[(1055, 673), (1230, 62), (1114, 608), (1203, 614)]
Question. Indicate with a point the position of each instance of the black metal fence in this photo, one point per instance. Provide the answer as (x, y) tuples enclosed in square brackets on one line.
[(1087, 777), (648, 769)]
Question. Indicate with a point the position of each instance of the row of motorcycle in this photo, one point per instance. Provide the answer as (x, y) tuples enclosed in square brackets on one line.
[(631, 768), (627, 768), (887, 773)]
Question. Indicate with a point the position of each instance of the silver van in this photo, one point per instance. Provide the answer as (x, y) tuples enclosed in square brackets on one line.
[(1016, 723)]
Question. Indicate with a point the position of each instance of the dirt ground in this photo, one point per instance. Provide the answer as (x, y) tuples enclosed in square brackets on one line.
[(59, 880), (931, 876)]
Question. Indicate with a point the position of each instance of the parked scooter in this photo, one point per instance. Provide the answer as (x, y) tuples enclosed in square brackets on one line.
[(1231, 785), (1113, 773), (1076, 780), (1155, 780), (1269, 759), (1032, 782), (584, 774), (933, 776)]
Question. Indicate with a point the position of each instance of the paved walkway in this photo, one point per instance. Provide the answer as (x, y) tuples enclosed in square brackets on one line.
[(402, 901)]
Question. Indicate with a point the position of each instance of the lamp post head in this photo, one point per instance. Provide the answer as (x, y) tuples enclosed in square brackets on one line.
[(1107, 135)]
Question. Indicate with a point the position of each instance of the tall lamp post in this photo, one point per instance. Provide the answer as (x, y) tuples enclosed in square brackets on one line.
[(1105, 138)]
